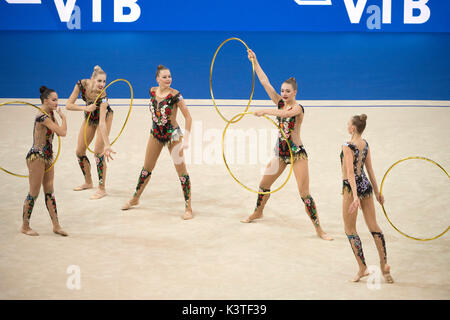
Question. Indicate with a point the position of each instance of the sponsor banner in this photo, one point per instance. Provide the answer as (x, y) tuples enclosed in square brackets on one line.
[(227, 15)]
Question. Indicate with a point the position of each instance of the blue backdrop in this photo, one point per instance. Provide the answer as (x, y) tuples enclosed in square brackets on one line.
[(327, 65), (229, 15)]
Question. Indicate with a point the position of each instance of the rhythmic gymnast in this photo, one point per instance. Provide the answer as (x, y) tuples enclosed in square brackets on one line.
[(290, 117), (40, 158), (164, 103), (100, 121), (355, 154)]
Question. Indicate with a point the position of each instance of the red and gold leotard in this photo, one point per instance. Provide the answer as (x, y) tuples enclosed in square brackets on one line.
[(282, 149), (162, 128)]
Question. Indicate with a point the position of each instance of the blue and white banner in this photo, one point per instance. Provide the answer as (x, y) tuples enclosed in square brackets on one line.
[(227, 15)]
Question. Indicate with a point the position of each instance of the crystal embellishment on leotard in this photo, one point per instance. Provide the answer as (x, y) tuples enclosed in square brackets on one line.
[(162, 128), (282, 149), (363, 186)]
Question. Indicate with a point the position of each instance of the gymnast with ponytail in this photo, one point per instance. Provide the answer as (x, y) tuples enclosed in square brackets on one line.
[(357, 192), (289, 114), (100, 122), (40, 158)]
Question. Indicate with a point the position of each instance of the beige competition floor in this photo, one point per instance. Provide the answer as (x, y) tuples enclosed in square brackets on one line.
[(151, 253)]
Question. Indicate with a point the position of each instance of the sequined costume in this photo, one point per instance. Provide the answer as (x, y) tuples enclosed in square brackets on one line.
[(162, 129), (95, 115), (282, 148), (363, 186), (42, 148)]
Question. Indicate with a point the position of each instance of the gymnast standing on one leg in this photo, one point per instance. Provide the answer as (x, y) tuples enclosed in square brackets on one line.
[(290, 117), (164, 103), (354, 155), (40, 158), (100, 121)]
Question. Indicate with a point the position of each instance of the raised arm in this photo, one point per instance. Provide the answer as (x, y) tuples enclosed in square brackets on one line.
[(372, 178), (70, 105), (274, 96), (348, 160), (188, 122), (60, 130)]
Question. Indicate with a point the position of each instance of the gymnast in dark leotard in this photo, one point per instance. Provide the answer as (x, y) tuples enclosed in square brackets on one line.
[(164, 104), (290, 116), (357, 192), (40, 158)]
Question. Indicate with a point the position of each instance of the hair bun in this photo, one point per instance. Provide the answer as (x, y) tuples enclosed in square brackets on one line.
[(42, 89), (160, 67), (97, 68), (293, 79), (363, 117)]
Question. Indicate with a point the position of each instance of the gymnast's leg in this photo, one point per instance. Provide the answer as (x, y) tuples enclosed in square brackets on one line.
[(83, 160), (302, 177), (36, 170), (152, 153), (176, 152), (273, 170), (368, 209), (50, 201), (352, 235)]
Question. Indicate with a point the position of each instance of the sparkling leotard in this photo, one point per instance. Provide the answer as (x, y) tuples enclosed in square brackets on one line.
[(162, 128), (95, 116), (363, 186), (282, 149)]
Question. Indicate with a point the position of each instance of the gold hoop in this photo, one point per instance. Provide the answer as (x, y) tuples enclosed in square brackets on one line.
[(126, 120), (210, 80), (225, 160), (59, 138), (381, 192)]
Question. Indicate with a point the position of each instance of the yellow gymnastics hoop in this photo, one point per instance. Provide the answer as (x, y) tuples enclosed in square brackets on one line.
[(59, 138), (381, 192), (226, 164), (126, 120), (210, 80)]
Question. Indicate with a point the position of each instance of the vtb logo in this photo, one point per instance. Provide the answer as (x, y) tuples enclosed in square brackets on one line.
[(65, 10)]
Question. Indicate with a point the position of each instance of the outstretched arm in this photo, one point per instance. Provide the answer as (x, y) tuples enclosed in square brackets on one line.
[(70, 105), (274, 96), (292, 112)]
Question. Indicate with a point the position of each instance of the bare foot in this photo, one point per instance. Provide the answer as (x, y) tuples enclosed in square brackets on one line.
[(130, 204), (29, 232), (188, 214), (323, 235), (361, 274), (84, 186), (387, 275), (60, 231), (100, 193), (254, 216)]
